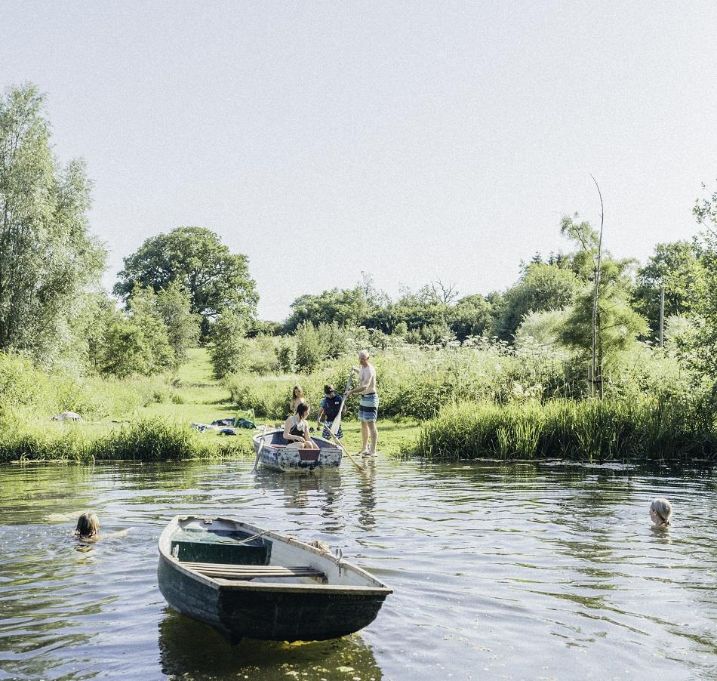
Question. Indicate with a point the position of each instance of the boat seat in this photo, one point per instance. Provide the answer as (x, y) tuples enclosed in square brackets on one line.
[(227, 571)]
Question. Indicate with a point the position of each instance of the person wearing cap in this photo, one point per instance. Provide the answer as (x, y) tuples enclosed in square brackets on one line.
[(368, 406), (330, 404)]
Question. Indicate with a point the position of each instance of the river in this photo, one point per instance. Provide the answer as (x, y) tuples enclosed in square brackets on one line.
[(517, 571)]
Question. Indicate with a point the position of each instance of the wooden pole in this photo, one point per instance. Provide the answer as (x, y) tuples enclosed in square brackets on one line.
[(596, 338), (662, 316)]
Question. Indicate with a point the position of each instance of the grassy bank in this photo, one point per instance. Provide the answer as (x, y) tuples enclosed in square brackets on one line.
[(442, 405), (135, 419), (644, 431)]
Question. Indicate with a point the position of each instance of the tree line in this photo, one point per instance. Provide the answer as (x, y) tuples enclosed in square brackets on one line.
[(185, 286)]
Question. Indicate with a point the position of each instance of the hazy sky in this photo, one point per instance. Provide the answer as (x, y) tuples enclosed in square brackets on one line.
[(412, 140)]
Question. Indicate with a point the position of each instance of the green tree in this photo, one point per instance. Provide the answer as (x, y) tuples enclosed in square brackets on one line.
[(215, 278), (470, 316), (47, 256), (228, 348), (616, 324), (700, 348), (345, 307), (310, 347), (541, 288), (173, 304), (676, 267), (96, 312)]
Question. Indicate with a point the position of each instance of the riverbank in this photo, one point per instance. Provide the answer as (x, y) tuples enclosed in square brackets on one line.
[(148, 420)]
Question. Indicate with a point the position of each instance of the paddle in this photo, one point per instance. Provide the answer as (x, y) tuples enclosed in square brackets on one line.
[(261, 446), (337, 442), (336, 424)]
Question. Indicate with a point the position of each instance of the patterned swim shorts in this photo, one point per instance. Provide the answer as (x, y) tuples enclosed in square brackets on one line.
[(368, 407)]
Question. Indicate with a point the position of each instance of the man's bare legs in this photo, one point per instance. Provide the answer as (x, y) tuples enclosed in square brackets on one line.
[(364, 436), (373, 433)]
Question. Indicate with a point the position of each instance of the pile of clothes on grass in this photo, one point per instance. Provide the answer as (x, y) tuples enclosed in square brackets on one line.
[(225, 426)]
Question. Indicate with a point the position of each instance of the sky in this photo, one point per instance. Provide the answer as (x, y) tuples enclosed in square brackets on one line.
[(411, 141)]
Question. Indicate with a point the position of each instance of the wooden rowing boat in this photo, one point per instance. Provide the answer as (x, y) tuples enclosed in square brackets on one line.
[(273, 452), (249, 582)]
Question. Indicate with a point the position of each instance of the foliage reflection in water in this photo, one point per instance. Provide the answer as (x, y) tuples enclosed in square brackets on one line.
[(499, 570)]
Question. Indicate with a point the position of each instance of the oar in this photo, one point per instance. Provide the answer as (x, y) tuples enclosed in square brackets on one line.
[(261, 446), (337, 442), (336, 423)]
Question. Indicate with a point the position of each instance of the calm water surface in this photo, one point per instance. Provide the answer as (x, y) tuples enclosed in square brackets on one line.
[(500, 572)]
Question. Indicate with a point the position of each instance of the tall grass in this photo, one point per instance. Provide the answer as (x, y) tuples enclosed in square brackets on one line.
[(414, 383), (647, 430), (145, 440), (27, 388)]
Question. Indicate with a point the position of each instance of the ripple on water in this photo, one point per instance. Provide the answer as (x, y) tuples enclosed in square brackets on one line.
[(500, 571)]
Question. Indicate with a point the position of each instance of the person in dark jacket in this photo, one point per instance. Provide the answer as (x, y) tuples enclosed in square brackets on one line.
[(330, 405)]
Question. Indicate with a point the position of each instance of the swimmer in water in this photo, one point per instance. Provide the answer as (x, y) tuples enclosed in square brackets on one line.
[(660, 513), (88, 527)]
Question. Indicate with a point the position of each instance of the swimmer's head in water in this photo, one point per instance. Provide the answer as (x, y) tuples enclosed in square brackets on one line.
[(661, 512), (88, 525)]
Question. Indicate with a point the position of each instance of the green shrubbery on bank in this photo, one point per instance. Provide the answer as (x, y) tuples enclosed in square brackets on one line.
[(38, 394), (643, 431), (144, 440), (114, 425), (416, 383)]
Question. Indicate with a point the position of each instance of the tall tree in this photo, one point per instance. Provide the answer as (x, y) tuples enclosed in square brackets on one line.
[(702, 350), (216, 279), (47, 256), (677, 269), (470, 316), (601, 316), (174, 304), (346, 307), (542, 287)]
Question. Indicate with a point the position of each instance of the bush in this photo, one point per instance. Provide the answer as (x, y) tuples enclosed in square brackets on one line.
[(310, 350)]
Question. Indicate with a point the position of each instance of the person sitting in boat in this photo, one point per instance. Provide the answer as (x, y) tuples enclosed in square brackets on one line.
[(297, 398), (330, 405), (88, 527), (296, 428), (660, 513)]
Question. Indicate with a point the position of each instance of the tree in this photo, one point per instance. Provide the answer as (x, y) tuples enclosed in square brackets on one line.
[(174, 307), (542, 287), (700, 350), (677, 269), (601, 323), (310, 347), (47, 256), (345, 307), (470, 316), (228, 348), (215, 278)]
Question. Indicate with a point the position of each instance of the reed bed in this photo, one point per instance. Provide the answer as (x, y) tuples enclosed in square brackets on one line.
[(641, 431)]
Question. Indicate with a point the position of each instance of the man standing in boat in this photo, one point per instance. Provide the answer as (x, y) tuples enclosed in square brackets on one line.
[(368, 406)]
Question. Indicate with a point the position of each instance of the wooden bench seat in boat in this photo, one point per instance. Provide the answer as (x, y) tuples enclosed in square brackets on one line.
[(229, 571)]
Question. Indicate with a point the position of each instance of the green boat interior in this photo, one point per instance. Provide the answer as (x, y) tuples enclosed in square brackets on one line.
[(223, 554), (232, 547)]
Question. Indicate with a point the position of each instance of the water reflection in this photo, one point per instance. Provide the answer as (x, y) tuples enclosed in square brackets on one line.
[(500, 570), (367, 495), (300, 491), (192, 650)]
